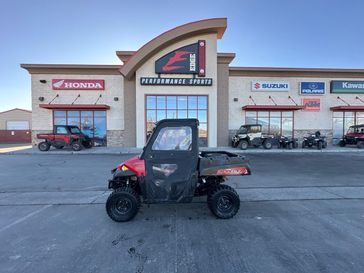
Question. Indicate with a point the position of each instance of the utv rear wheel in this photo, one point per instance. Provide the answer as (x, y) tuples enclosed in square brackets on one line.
[(360, 144), (44, 146), (123, 204), (223, 201), (243, 144), (76, 146), (267, 145)]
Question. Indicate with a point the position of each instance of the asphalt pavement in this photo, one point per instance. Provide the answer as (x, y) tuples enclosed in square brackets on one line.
[(299, 213)]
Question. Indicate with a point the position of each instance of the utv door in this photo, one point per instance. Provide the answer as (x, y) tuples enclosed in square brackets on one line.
[(171, 158)]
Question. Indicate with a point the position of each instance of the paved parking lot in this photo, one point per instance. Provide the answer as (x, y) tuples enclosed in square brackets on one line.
[(299, 213)]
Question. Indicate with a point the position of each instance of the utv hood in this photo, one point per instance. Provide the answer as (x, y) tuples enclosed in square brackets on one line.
[(134, 164)]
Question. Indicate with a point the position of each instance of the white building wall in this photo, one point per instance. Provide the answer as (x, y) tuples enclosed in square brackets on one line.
[(42, 118), (240, 87)]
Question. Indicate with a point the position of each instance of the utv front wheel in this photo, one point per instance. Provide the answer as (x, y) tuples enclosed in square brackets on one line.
[(44, 146), (76, 146), (319, 145), (243, 144), (123, 204), (223, 201), (360, 145)]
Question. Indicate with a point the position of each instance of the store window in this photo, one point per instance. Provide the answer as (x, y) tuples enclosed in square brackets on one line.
[(162, 107), (342, 121), (91, 123), (273, 122)]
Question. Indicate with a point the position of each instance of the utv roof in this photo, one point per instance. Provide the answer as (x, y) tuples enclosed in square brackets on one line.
[(357, 126), (252, 124), (179, 120)]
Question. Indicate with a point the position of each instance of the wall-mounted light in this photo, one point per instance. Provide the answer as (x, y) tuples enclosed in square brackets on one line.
[(236, 99), (41, 98), (43, 81), (116, 98)]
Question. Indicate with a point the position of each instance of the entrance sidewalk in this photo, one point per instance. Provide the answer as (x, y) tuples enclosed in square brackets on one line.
[(28, 150)]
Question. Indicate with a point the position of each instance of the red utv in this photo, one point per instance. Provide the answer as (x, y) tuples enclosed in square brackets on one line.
[(354, 136), (172, 170), (63, 136)]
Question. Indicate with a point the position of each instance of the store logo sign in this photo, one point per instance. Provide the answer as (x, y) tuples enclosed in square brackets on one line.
[(188, 59), (347, 87), (73, 84), (312, 88), (270, 86), (312, 104)]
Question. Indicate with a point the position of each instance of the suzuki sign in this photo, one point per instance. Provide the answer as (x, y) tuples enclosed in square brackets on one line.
[(73, 84), (270, 86)]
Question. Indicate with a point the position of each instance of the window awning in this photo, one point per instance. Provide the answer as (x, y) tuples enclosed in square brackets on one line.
[(348, 108), (272, 107), (75, 106)]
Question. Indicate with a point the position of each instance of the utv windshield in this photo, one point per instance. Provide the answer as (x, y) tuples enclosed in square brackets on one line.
[(242, 130), (75, 130)]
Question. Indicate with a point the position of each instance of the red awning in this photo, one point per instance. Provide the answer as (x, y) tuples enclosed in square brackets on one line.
[(75, 106), (348, 108), (272, 107)]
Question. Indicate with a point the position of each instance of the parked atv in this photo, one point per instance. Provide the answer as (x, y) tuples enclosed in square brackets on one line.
[(63, 136), (315, 140), (354, 136), (287, 142), (251, 135), (172, 170)]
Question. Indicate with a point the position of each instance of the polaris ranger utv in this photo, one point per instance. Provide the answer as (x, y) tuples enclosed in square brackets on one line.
[(172, 170)]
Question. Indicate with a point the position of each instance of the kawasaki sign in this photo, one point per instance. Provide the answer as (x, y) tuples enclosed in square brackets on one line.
[(347, 87)]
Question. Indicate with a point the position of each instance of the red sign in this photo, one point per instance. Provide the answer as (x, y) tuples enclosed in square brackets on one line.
[(189, 59), (313, 104), (72, 84)]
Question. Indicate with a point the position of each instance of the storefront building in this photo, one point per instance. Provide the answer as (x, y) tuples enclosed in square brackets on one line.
[(180, 74)]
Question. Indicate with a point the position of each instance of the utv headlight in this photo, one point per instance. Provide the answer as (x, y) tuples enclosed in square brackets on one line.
[(122, 168)]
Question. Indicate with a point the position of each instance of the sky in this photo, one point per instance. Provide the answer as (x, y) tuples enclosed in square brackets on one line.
[(272, 33)]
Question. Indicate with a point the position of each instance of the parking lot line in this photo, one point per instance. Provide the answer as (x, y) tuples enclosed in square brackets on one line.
[(24, 218)]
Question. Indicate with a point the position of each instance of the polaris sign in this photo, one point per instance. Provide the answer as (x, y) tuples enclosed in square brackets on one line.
[(270, 86), (350, 87), (312, 88)]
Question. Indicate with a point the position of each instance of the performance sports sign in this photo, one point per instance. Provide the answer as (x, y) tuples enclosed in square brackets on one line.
[(189, 59), (176, 81), (270, 86), (73, 84)]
